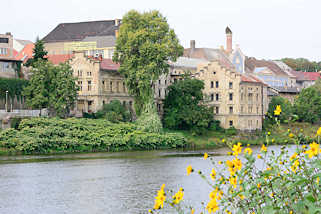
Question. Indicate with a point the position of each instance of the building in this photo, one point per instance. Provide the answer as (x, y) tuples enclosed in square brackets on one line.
[(239, 98), (98, 79), (305, 79), (94, 38), (9, 66)]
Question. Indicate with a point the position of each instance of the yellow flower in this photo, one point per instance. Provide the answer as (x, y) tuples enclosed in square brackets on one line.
[(228, 212), (291, 212), (295, 166), (268, 169), (220, 162), (319, 132), (272, 194), (192, 211), (318, 180), (237, 149), (259, 156), (205, 156), (263, 148), (212, 206), (304, 146), (278, 110), (291, 135), (258, 185), (223, 140), (273, 140), (314, 150), (178, 196), (241, 196), (293, 156), (160, 198), (213, 174), (248, 150), (189, 169), (150, 211), (237, 163), (233, 181), (269, 133)]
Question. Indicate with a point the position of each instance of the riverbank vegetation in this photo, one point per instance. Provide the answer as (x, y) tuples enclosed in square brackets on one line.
[(54, 135)]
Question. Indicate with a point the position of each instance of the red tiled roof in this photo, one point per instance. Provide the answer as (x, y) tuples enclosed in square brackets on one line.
[(108, 64), (59, 58), (25, 53), (248, 78), (313, 76)]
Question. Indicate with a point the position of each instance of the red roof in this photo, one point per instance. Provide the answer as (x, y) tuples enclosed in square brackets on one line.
[(248, 78), (25, 53), (108, 64), (313, 76), (59, 58)]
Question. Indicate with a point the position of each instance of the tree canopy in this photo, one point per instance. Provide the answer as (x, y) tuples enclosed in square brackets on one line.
[(144, 46), (184, 107), (51, 87), (39, 52), (302, 64), (308, 104)]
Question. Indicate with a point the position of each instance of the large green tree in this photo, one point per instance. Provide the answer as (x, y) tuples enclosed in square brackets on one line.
[(39, 53), (143, 48), (51, 87), (185, 109), (286, 107), (308, 104), (302, 64)]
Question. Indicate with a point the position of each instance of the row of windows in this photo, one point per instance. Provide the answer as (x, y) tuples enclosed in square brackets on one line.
[(217, 110), (80, 73), (217, 97), (3, 51), (250, 123), (230, 85), (250, 109), (112, 85), (250, 97)]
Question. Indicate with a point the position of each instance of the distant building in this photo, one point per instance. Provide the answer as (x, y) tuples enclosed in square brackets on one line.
[(305, 79), (96, 38), (9, 66)]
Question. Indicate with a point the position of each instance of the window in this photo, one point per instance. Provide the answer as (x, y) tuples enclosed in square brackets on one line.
[(165, 92), (3, 51), (216, 84), (212, 84), (159, 82), (89, 86), (103, 82), (250, 97), (80, 85), (130, 103), (111, 86), (124, 87), (231, 122), (212, 97), (159, 92), (242, 109), (257, 97), (242, 96), (79, 73), (214, 72), (231, 109), (250, 109), (257, 109), (165, 82), (4, 40), (217, 110), (97, 53), (231, 96), (117, 86), (217, 97), (230, 85), (124, 103), (89, 73)]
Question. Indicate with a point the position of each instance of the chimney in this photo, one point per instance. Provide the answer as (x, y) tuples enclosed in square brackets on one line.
[(228, 40), (117, 22), (192, 44)]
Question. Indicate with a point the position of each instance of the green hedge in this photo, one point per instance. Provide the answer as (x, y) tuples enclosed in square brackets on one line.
[(13, 86), (44, 135)]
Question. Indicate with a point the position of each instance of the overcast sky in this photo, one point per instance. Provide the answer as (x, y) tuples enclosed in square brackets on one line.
[(269, 29)]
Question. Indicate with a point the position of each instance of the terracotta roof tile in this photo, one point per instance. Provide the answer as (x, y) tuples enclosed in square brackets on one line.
[(25, 53), (108, 64), (59, 58)]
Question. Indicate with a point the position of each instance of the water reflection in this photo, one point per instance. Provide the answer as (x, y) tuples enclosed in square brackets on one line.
[(123, 182)]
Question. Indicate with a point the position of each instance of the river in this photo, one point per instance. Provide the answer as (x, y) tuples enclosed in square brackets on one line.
[(97, 183)]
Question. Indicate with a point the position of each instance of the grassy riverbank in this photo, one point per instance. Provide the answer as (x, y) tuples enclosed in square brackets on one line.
[(52, 135), (213, 139)]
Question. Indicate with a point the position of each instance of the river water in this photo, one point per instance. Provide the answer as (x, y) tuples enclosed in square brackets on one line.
[(97, 183)]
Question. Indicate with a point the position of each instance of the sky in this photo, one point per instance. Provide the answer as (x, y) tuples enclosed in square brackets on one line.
[(265, 29)]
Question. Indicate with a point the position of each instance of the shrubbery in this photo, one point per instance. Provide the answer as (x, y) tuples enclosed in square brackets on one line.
[(44, 135), (114, 112)]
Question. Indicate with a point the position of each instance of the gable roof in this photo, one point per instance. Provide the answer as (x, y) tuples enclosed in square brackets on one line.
[(209, 54), (252, 63), (186, 62), (306, 76), (68, 32), (25, 53)]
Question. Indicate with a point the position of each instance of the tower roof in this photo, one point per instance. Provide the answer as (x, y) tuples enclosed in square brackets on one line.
[(228, 30)]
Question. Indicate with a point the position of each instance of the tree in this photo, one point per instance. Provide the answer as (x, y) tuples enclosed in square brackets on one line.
[(114, 112), (51, 87), (308, 104), (286, 107), (39, 53), (302, 64), (143, 48), (184, 107)]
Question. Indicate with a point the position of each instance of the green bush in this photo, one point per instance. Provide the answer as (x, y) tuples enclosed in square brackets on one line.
[(114, 112), (15, 122), (52, 135)]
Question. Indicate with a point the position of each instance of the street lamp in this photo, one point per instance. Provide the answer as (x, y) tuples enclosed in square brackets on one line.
[(7, 101)]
